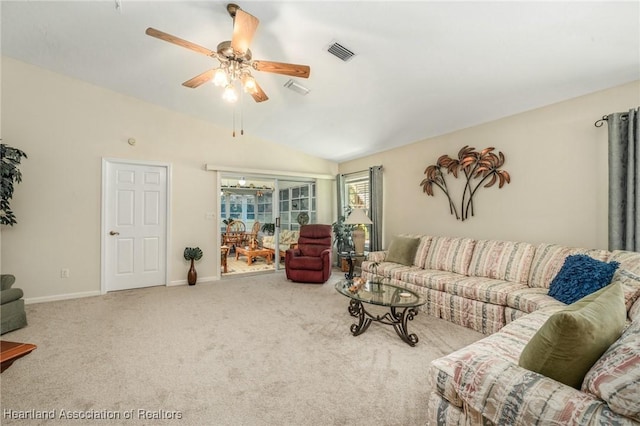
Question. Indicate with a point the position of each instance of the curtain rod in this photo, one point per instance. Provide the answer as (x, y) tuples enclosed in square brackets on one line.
[(360, 171), (600, 122)]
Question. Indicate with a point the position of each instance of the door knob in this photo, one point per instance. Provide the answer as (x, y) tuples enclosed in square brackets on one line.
[(114, 233)]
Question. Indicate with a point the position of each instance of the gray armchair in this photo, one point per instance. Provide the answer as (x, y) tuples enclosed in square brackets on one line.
[(11, 305)]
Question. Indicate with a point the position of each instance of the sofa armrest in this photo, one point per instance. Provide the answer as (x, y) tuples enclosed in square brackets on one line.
[(506, 393), (6, 281), (11, 294), (377, 256)]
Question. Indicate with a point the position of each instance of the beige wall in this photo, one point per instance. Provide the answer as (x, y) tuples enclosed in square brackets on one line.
[(66, 127), (558, 163)]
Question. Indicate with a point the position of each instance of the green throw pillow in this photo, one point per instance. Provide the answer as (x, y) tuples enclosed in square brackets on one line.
[(402, 250), (572, 340)]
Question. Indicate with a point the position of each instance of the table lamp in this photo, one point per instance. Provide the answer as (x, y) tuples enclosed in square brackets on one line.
[(358, 217)]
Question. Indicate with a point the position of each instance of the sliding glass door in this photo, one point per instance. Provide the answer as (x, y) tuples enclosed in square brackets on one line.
[(275, 204), (297, 204)]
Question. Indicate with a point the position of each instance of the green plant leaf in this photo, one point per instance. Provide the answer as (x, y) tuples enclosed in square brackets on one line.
[(192, 253)]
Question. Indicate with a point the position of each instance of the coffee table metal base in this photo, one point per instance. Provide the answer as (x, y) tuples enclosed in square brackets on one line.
[(397, 317)]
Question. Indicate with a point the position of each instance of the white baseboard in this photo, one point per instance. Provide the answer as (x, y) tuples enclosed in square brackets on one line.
[(61, 297), (67, 296), (200, 280)]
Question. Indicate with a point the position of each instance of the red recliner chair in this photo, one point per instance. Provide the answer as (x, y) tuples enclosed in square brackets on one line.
[(311, 261)]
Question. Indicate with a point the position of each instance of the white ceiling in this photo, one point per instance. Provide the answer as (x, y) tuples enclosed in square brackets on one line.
[(422, 68)]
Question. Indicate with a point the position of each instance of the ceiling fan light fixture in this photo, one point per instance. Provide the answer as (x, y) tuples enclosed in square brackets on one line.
[(220, 78), (249, 84), (235, 61), (230, 94)]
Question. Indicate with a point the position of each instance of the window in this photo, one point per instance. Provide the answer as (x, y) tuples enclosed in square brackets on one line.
[(356, 195), (265, 208), (296, 200), (356, 191), (247, 208)]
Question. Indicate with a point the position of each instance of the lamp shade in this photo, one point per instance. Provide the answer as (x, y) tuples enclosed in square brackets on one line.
[(358, 217)]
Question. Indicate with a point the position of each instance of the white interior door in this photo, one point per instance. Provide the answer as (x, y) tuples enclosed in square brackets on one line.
[(135, 200)]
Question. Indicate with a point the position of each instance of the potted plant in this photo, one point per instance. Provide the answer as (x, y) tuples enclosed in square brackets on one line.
[(10, 173), (192, 254), (269, 228), (342, 233)]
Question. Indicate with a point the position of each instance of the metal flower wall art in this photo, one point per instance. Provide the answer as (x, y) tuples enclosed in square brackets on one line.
[(478, 169)]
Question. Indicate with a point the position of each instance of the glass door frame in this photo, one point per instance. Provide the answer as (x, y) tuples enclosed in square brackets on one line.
[(228, 175)]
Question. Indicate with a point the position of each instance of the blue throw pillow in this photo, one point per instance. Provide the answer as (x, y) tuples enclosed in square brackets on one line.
[(580, 276)]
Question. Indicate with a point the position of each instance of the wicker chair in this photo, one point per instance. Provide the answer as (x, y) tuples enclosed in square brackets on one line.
[(251, 238), (235, 234)]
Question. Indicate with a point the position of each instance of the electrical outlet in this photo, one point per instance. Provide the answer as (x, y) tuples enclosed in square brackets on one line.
[(64, 273)]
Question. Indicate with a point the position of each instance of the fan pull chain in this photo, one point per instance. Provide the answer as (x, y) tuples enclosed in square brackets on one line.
[(234, 120), (241, 112)]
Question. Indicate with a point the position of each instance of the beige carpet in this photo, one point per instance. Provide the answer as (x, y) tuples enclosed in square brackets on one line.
[(253, 350)]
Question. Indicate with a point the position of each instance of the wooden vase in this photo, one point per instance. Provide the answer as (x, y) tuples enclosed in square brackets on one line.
[(192, 275)]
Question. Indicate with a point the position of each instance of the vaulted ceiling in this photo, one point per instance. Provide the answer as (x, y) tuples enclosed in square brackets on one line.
[(420, 69)]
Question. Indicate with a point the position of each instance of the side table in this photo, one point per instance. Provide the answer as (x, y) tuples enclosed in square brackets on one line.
[(350, 257), (224, 254), (11, 351)]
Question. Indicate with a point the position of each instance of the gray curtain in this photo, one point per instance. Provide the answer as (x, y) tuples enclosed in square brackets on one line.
[(375, 213), (340, 195), (624, 180)]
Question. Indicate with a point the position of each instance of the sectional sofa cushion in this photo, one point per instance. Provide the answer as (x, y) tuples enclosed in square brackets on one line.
[(628, 274), (502, 260), (629, 260), (570, 342), (483, 289), (485, 318), (615, 377), (386, 269), (450, 254), (423, 249), (530, 299), (579, 276), (435, 280), (549, 258), (402, 250), (630, 284)]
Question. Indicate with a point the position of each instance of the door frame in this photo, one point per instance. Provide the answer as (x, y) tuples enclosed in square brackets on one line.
[(103, 216), (258, 173)]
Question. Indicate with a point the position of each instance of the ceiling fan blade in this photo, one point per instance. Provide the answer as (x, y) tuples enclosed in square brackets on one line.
[(244, 27), (293, 70), (199, 79), (259, 95), (180, 42)]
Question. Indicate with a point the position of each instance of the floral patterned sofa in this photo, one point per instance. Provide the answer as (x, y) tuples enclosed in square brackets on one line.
[(500, 288), (288, 239)]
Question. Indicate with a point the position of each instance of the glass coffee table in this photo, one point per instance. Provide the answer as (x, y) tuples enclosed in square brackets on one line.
[(402, 304)]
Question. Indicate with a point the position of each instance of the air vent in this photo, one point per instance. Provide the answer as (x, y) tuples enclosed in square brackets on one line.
[(296, 87), (341, 52)]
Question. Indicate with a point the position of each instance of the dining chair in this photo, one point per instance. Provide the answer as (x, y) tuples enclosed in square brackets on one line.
[(235, 234)]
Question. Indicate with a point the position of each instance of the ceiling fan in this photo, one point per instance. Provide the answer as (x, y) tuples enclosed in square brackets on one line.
[(235, 58)]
